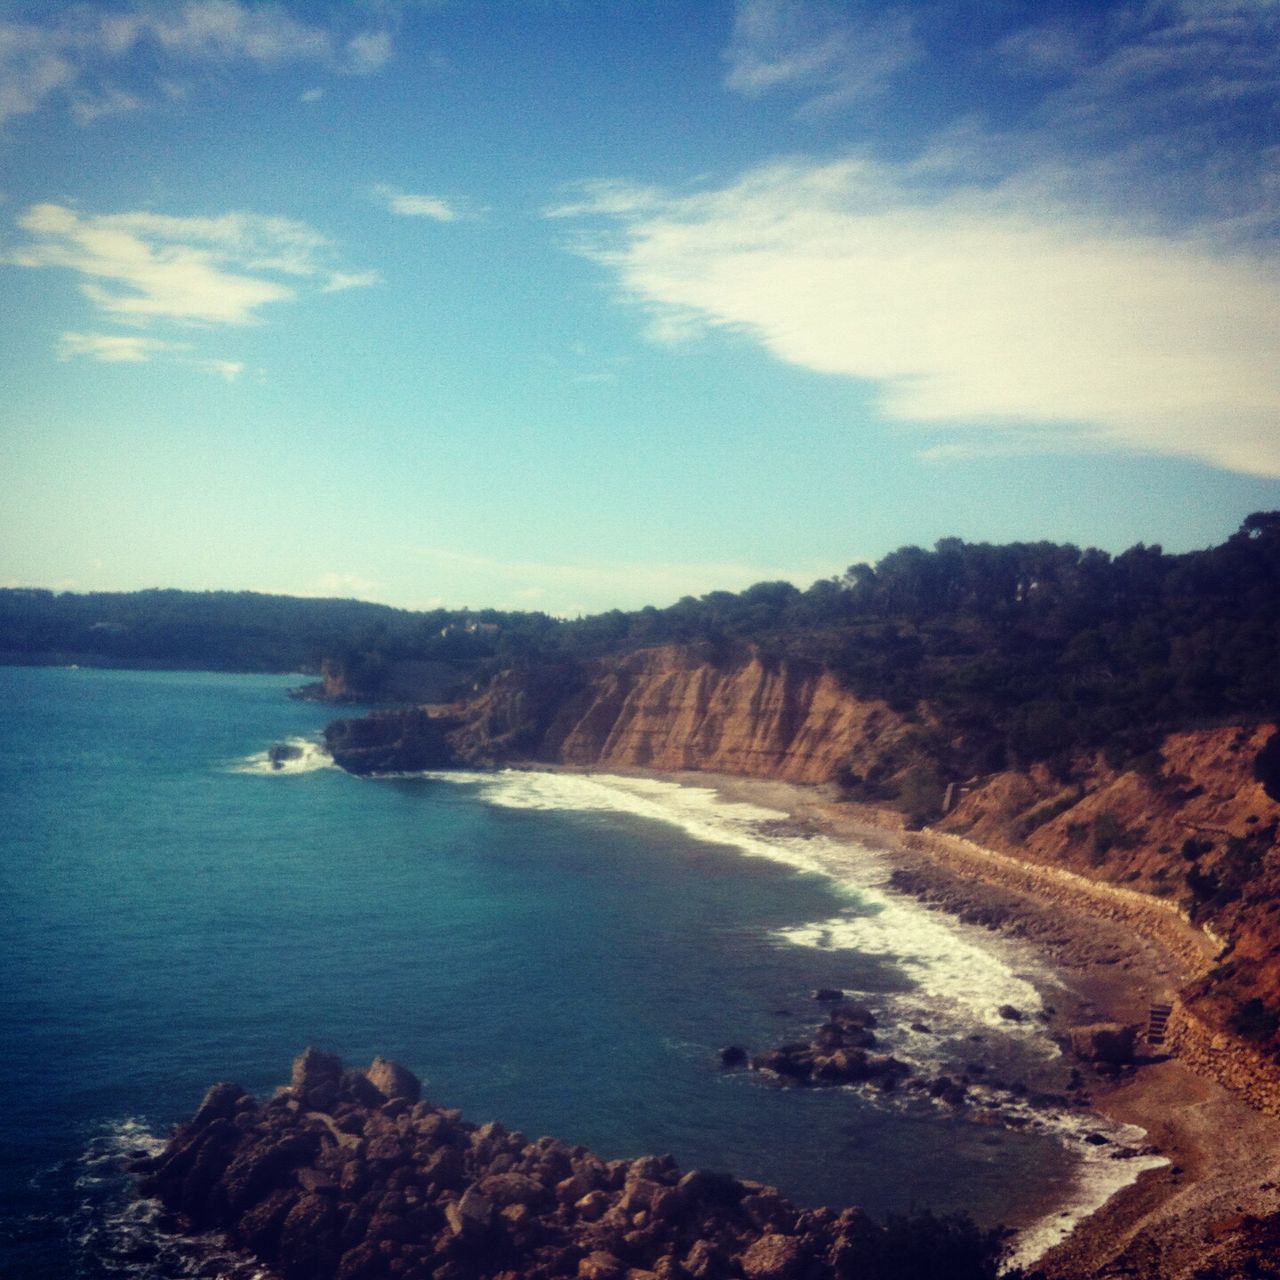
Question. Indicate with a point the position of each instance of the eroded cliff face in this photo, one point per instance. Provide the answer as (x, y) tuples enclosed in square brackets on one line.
[(1188, 824), (666, 709)]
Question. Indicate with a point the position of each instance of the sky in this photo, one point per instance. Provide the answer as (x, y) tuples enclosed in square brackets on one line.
[(573, 305)]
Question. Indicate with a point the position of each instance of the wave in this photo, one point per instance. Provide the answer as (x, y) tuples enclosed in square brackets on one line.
[(962, 976), (284, 758), (112, 1232)]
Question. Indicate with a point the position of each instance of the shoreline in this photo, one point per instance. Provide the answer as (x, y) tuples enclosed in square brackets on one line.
[(1223, 1157)]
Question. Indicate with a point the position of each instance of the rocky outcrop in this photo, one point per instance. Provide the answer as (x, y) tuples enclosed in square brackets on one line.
[(391, 742), (334, 1180), (665, 709)]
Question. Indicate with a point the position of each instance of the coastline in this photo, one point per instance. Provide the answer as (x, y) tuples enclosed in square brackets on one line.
[(1223, 1157)]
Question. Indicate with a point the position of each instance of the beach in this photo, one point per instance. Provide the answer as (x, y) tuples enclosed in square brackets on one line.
[(1223, 1157)]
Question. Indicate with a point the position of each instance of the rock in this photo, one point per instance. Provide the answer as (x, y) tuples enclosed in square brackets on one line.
[(773, 1257), (312, 1068), (503, 1189), (592, 1207), (470, 1215), (826, 994), (308, 1239), (218, 1104), (391, 1190), (279, 752), (1104, 1042), (1010, 1014), (852, 1015), (705, 1261), (733, 1056), (601, 1265), (394, 1081)]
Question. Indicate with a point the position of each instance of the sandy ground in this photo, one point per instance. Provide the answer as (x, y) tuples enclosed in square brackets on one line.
[(1198, 1216)]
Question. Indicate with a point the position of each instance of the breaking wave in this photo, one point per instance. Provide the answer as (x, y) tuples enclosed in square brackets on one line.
[(284, 758)]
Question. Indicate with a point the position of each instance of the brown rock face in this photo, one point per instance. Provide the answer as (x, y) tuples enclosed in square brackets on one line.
[(661, 708), (282, 1182)]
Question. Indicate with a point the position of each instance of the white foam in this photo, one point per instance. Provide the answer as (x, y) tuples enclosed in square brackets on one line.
[(1099, 1175), (311, 756), (961, 974), (123, 1235)]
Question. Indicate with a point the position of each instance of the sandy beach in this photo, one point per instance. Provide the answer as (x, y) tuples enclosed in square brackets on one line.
[(1198, 1215)]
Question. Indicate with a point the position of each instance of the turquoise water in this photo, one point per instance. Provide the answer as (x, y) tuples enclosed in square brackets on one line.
[(174, 913)]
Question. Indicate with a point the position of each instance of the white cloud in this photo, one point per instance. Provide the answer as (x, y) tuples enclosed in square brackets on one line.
[(367, 52), (144, 269), (143, 266), (132, 348), (339, 281), (981, 311), (831, 54), (409, 205), (113, 348), (191, 270), (71, 50)]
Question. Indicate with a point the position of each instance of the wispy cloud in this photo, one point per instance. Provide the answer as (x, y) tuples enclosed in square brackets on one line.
[(74, 52), (114, 348), (410, 205), (142, 266), (133, 348), (144, 269), (978, 310), (828, 54)]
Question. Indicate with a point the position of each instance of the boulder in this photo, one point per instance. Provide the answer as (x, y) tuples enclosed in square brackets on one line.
[(314, 1067), (470, 1215), (773, 1257), (218, 1104), (1105, 1042), (733, 1056), (394, 1081)]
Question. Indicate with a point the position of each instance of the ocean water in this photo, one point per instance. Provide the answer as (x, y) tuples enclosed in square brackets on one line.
[(563, 953)]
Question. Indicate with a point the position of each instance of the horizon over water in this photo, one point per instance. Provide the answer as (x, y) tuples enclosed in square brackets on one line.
[(563, 953)]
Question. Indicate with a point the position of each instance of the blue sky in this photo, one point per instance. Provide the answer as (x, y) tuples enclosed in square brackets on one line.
[(575, 304)]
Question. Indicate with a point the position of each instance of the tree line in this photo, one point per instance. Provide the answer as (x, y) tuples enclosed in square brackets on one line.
[(1021, 652)]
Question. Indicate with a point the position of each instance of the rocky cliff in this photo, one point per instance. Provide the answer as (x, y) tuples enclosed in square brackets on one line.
[(667, 709), (1188, 824)]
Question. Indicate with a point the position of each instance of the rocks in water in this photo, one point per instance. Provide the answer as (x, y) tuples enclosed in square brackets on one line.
[(281, 752), (391, 742), (828, 994), (1110, 1043), (371, 1190), (1011, 1014), (733, 1056)]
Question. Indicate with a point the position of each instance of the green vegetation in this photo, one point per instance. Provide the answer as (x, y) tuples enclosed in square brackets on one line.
[(1025, 652)]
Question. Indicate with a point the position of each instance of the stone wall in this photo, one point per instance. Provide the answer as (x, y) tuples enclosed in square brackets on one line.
[(1226, 1059)]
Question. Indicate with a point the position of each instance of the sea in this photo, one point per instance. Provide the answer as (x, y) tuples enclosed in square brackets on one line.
[(565, 953)]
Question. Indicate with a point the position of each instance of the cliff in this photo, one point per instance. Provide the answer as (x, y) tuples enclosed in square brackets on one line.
[(1187, 826), (666, 709)]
